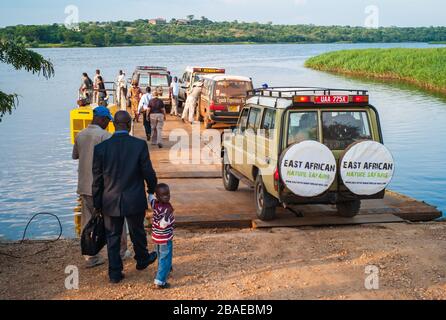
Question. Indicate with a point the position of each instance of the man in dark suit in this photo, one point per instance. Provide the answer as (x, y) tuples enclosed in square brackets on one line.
[(120, 167)]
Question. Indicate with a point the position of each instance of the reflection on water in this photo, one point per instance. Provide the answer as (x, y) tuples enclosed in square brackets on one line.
[(37, 173)]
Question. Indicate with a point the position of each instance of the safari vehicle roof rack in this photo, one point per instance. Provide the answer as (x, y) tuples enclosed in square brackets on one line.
[(290, 92), (151, 68)]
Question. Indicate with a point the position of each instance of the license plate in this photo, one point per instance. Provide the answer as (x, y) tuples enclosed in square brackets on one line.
[(234, 109), (331, 99)]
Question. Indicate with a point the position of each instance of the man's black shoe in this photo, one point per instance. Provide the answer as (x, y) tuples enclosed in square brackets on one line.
[(151, 260), (148, 137), (117, 280)]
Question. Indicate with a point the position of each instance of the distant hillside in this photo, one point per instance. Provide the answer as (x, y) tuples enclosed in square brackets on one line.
[(192, 31)]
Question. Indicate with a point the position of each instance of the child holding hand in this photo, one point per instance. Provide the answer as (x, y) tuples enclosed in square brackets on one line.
[(162, 233)]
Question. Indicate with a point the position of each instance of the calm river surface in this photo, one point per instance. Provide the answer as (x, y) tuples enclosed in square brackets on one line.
[(37, 173)]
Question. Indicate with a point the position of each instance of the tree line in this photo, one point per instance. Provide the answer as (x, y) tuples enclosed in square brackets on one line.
[(196, 31)]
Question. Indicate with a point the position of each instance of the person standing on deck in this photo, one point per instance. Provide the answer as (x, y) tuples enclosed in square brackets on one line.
[(96, 86), (144, 109), (86, 88), (121, 88), (191, 103), (175, 91), (157, 111), (169, 78), (83, 150), (101, 92), (135, 97), (121, 168)]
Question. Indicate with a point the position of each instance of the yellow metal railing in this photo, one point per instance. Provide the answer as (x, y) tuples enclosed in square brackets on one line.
[(81, 117)]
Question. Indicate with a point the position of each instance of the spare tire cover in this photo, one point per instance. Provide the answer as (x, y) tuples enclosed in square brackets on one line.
[(367, 168), (308, 168)]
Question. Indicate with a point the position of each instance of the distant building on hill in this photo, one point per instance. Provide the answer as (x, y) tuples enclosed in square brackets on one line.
[(157, 21), (182, 21)]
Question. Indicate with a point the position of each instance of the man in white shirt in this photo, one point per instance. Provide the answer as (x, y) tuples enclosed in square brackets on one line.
[(175, 90), (121, 93), (191, 103), (143, 108)]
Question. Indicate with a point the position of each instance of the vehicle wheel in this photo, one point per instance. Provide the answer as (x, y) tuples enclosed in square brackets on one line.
[(207, 123), (266, 204), (230, 182), (199, 117), (349, 209)]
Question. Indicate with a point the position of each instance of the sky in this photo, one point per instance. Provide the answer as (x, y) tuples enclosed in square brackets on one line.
[(319, 12)]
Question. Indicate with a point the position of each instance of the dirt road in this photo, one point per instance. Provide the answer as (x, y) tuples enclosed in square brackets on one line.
[(308, 263)]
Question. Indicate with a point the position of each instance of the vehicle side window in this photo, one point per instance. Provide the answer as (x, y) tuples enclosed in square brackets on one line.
[(206, 87), (185, 77), (302, 126), (254, 120), (243, 120), (269, 123)]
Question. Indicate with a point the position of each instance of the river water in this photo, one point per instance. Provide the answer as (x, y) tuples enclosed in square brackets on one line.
[(37, 173)]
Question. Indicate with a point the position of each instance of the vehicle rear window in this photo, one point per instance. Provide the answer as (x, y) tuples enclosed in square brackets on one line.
[(302, 126), (232, 88), (143, 80), (341, 129), (159, 80)]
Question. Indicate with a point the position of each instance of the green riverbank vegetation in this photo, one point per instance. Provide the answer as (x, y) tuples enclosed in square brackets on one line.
[(425, 68), (205, 31)]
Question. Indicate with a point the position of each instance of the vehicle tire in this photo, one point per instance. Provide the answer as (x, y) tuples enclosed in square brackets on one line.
[(198, 116), (266, 204), (207, 123), (348, 209), (230, 182)]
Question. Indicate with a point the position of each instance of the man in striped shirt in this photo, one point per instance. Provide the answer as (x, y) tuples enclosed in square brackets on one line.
[(162, 233)]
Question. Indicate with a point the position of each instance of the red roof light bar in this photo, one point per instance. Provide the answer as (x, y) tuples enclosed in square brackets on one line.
[(331, 99)]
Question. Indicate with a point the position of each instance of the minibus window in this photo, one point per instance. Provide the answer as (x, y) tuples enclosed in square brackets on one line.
[(230, 88)]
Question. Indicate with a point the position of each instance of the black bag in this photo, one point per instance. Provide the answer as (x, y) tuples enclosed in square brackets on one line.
[(93, 237)]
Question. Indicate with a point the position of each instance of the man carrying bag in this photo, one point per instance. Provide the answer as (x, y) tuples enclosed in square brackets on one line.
[(121, 165), (93, 237)]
